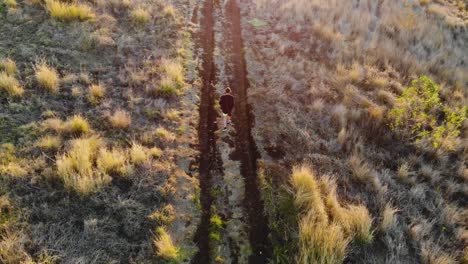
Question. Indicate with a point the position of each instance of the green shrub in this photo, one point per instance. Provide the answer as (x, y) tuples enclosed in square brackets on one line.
[(420, 113)]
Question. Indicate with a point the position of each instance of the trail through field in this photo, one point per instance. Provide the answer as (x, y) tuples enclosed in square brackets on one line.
[(228, 160)]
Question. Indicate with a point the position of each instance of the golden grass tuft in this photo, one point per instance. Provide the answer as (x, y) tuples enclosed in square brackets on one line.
[(68, 12), (75, 167), (10, 85), (112, 161), (138, 154), (120, 119), (77, 125), (96, 93), (388, 218), (47, 77), (50, 143), (362, 171), (174, 71), (8, 66), (325, 226), (165, 135), (140, 15), (164, 245), (13, 169), (10, 3)]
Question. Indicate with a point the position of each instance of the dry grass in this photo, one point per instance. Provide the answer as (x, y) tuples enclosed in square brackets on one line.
[(164, 245), (47, 77), (112, 161), (138, 154), (388, 218), (362, 171), (10, 85), (76, 167), (50, 143), (68, 12), (8, 66), (96, 93), (13, 169), (10, 3), (140, 15), (325, 226), (76, 125), (120, 119), (165, 135)]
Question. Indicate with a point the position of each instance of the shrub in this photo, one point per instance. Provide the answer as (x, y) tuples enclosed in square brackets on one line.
[(75, 167), (47, 77), (420, 113), (120, 119), (140, 16), (77, 125), (165, 246), (68, 12), (8, 66), (138, 154), (10, 85)]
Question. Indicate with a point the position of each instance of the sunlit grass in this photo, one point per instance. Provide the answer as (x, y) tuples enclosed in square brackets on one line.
[(47, 77), (8, 66), (165, 246), (120, 119), (67, 12), (10, 85), (140, 15)]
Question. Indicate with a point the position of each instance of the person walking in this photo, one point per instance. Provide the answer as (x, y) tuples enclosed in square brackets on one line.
[(227, 105)]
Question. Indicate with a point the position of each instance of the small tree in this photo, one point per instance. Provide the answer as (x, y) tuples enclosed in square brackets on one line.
[(420, 113)]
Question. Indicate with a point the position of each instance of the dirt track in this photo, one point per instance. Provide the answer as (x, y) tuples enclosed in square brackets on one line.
[(212, 173)]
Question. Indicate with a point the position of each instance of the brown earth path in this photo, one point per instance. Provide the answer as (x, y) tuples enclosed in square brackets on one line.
[(210, 160)]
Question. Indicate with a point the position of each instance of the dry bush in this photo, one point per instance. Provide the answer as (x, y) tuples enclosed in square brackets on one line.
[(165, 135), (140, 15), (325, 226), (76, 125), (47, 77), (50, 143), (76, 167), (13, 248), (68, 12), (120, 119), (164, 245), (112, 161), (96, 93), (13, 169), (388, 218), (138, 154), (8, 66), (362, 171), (10, 85)]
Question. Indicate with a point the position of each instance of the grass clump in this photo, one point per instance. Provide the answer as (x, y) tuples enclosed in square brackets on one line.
[(165, 135), (13, 169), (325, 226), (420, 113), (120, 119), (47, 77), (50, 143), (77, 125), (10, 85), (112, 161), (96, 93), (172, 78), (68, 12), (75, 167), (138, 154), (10, 3), (8, 66), (140, 15), (165, 246)]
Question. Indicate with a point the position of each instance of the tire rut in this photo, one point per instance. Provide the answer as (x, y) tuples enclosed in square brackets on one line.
[(245, 144), (209, 161)]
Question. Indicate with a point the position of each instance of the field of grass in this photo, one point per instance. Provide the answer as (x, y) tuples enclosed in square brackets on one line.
[(364, 101), (93, 164)]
